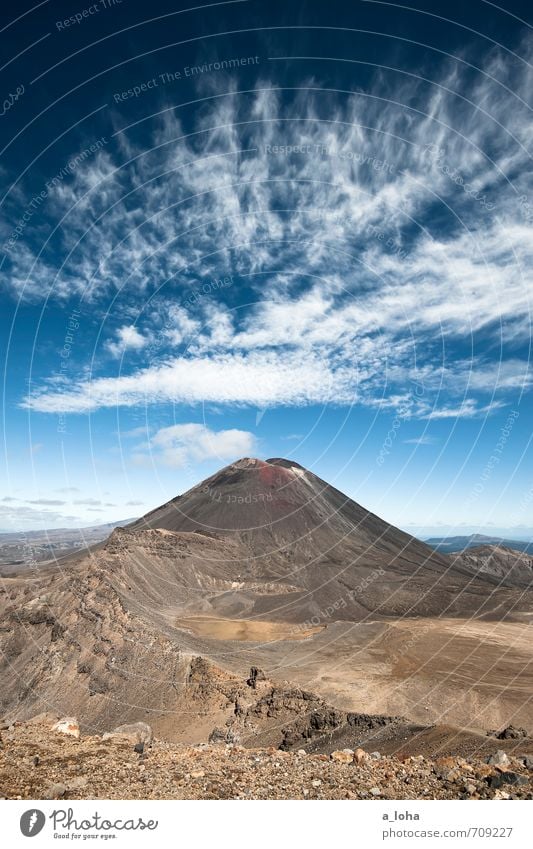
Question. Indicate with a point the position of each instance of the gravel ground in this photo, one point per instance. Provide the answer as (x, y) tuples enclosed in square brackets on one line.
[(39, 763)]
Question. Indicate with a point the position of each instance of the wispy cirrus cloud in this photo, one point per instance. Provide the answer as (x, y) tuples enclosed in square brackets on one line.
[(469, 409), (421, 440), (331, 369), (371, 230), (47, 502)]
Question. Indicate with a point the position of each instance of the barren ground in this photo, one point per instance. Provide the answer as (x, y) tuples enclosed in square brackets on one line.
[(245, 630), (470, 673), (36, 763)]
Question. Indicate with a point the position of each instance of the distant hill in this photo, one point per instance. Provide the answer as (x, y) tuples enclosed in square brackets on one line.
[(505, 565), (24, 548), (449, 545)]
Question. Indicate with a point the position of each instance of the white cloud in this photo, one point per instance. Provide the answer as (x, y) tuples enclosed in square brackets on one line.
[(128, 339), (198, 203), (16, 517), (47, 502), (180, 444), (261, 378), (324, 365), (179, 325), (469, 409), (142, 430), (363, 255), (93, 502)]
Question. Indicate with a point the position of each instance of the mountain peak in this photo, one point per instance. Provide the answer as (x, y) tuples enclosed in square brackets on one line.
[(265, 478), (247, 463), (283, 511), (255, 462), (286, 464)]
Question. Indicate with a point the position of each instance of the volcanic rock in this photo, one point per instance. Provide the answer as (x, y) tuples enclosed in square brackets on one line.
[(136, 733), (343, 757), (511, 733), (499, 758), (68, 725)]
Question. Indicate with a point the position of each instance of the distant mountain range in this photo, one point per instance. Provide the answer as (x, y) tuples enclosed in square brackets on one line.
[(24, 548), (449, 545)]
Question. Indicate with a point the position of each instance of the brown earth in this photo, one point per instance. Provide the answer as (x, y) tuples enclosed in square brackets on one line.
[(37, 763), (294, 578), (245, 630)]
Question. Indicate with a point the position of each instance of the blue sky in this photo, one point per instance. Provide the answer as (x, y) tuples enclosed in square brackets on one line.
[(255, 229)]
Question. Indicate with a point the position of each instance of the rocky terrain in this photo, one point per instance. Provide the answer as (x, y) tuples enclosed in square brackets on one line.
[(264, 608), (37, 762), (504, 564)]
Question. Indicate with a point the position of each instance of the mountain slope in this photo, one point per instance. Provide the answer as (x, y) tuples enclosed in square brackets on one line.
[(275, 521), (262, 564), (278, 502), (503, 563)]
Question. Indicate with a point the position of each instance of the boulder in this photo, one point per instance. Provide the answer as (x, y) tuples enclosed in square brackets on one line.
[(134, 733), (511, 733), (218, 735), (345, 757), (444, 766), (513, 778), (68, 725), (483, 771), (54, 790), (256, 675), (499, 758)]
